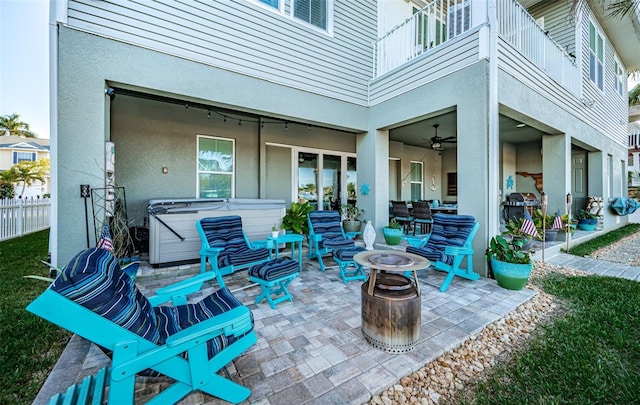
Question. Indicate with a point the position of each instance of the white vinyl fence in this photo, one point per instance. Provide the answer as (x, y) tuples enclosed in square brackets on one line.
[(22, 216)]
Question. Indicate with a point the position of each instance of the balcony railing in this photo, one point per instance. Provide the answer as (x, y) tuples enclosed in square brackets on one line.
[(634, 141), (429, 27), (522, 31), (443, 20)]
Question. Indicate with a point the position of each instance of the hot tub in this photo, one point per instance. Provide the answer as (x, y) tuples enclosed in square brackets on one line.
[(173, 237)]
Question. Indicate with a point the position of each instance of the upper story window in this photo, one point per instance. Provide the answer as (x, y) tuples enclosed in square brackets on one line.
[(416, 181), (24, 157), (619, 77), (275, 4), (314, 12), (216, 168), (596, 56)]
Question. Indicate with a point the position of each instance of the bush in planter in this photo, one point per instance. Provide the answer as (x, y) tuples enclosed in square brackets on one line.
[(295, 219), (351, 217), (392, 233), (586, 220), (511, 265), (514, 227)]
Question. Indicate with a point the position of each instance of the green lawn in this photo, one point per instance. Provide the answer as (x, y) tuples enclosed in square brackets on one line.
[(29, 346), (590, 355)]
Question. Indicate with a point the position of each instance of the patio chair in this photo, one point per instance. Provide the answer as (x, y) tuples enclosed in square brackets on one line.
[(400, 212), (188, 343), (327, 236), (422, 217), (448, 244), (226, 246)]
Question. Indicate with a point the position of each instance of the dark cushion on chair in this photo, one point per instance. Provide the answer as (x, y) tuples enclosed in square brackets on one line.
[(226, 232), (447, 230), (348, 253), (275, 269), (328, 224), (93, 279)]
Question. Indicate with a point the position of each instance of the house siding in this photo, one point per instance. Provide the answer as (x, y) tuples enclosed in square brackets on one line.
[(609, 112), (434, 64), (267, 45)]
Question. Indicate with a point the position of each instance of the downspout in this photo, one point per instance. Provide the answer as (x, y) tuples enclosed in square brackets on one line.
[(57, 13), (493, 144)]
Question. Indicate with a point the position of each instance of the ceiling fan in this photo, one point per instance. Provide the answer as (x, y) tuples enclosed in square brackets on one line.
[(436, 141)]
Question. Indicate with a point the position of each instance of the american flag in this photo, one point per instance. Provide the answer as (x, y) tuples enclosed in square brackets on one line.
[(528, 227), (105, 241), (557, 222)]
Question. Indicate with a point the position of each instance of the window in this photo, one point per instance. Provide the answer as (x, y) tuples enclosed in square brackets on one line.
[(596, 56), (24, 156), (416, 181), (315, 12), (216, 168), (277, 5), (273, 3), (619, 77)]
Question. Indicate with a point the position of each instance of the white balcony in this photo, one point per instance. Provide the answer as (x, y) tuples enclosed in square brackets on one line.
[(443, 21)]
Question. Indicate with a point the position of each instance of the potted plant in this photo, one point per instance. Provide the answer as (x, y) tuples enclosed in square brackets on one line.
[(514, 231), (275, 231), (392, 233), (295, 220), (511, 265), (351, 217), (540, 219), (586, 220)]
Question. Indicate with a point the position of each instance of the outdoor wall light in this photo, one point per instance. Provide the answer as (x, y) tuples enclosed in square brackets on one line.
[(165, 170)]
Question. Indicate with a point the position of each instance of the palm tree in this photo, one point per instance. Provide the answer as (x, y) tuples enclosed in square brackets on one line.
[(634, 95), (27, 172), (11, 125), (616, 8)]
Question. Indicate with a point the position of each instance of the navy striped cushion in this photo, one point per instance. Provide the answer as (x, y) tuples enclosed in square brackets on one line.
[(329, 225), (274, 269), (93, 279), (226, 232), (447, 230), (348, 253)]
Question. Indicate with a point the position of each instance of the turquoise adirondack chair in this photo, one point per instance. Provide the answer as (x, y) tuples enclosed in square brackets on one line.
[(226, 247), (188, 343), (448, 244), (326, 236)]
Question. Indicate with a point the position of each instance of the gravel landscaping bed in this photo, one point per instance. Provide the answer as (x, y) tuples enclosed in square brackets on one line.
[(447, 376)]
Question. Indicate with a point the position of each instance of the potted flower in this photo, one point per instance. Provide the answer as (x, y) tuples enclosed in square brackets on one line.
[(511, 265), (586, 220), (392, 233), (351, 217)]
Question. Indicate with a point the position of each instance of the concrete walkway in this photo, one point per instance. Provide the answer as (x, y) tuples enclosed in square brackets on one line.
[(312, 351)]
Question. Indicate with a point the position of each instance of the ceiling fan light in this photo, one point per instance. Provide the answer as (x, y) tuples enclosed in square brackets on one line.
[(436, 145)]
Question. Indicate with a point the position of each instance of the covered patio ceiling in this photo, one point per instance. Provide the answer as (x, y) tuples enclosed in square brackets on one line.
[(419, 133)]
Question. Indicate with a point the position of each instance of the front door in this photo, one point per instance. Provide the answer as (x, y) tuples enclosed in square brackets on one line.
[(578, 181)]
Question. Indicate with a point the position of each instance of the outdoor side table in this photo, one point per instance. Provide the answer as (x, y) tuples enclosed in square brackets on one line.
[(295, 241), (391, 304)]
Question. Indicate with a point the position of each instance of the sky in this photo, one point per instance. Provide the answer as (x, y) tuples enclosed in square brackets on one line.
[(24, 62)]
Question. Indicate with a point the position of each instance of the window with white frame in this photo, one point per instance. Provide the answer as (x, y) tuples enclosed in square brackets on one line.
[(24, 157), (619, 77), (277, 5), (216, 168), (314, 12), (596, 56), (416, 181)]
